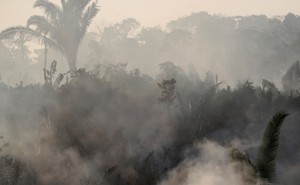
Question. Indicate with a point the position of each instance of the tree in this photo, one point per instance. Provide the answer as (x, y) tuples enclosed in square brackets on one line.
[(266, 160), (20, 51), (61, 27), (265, 167)]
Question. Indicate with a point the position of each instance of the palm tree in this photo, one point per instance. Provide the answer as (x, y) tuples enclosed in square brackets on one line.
[(266, 160), (62, 27), (264, 169)]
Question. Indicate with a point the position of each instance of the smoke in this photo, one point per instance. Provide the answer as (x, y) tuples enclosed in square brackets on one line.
[(115, 130), (210, 164), (109, 125), (66, 139), (236, 48)]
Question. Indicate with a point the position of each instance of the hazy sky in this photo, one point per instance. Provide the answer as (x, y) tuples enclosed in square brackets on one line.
[(155, 12)]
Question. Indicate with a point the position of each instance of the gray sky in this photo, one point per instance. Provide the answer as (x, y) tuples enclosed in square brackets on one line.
[(154, 12)]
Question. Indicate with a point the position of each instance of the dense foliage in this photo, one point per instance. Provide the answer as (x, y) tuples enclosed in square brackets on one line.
[(111, 126), (252, 47)]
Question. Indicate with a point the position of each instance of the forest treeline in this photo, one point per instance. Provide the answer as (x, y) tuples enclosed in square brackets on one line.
[(255, 47), (208, 99), (114, 126)]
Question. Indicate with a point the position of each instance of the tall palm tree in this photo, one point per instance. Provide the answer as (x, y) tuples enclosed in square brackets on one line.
[(62, 27)]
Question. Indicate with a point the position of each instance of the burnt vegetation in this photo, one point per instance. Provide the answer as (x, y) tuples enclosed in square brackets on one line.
[(99, 121), (119, 127)]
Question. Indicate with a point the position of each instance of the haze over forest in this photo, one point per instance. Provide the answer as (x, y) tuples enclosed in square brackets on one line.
[(153, 13), (259, 17), (236, 48), (149, 92)]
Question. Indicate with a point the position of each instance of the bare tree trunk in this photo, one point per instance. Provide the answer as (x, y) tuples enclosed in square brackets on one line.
[(45, 55), (22, 55), (71, 59)]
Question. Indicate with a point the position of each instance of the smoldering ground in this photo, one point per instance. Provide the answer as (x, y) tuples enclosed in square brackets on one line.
[(121, 126), (117, 130), (210, 165)]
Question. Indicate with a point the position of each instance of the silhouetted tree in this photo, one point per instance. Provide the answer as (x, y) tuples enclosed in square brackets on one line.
[(62, 27)]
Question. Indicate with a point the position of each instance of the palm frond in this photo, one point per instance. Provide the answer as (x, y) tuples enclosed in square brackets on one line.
[(244, 166), (14, 31), (88, 16), (82, 5), (79, 5), (51, 10), (30, 34), (266, 161), (61, 27), (41, 23), (238, 156), (63, 4)]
